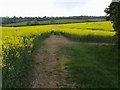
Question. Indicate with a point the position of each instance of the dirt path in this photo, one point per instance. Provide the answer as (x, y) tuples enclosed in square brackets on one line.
[(45, 75)]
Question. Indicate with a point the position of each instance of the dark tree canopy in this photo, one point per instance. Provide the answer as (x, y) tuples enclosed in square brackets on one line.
[(113, 14), (113, 11)]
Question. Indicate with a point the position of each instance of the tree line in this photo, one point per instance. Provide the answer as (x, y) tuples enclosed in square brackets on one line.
[(8, 20)]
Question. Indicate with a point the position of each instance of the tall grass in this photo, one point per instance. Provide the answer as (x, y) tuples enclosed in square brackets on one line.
[(89, 38)]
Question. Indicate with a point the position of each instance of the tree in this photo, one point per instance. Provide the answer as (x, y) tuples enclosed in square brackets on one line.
[(113, 14)]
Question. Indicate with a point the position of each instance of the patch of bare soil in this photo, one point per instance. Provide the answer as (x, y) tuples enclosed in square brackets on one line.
[(45, 74)]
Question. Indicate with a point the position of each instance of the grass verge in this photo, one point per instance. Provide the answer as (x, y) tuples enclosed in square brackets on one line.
[(92, 66)]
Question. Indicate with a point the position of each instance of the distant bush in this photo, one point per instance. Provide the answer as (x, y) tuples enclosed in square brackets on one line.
[(35, 22), (29, 23)]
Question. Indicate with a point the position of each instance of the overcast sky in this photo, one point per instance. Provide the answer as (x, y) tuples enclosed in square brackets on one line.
[(53, 7)]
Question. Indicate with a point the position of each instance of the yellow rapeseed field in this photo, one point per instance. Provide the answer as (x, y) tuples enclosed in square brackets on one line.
[(12, 37)]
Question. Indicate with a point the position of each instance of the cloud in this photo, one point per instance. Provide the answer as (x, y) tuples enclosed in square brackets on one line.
[(69, 4), (53, 7)]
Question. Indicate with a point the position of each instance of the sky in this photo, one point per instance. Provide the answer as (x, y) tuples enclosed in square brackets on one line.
[(35, 8)]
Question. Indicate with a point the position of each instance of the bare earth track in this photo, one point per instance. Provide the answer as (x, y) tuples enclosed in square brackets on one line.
[(44, 75), (46, 60)]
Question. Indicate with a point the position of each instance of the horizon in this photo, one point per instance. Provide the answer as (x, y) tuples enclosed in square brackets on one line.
[(48, 16), (53, 8)]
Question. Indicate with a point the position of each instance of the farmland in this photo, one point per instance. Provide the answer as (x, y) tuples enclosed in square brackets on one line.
[(16, 34), (19, 46), (31, 21)]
